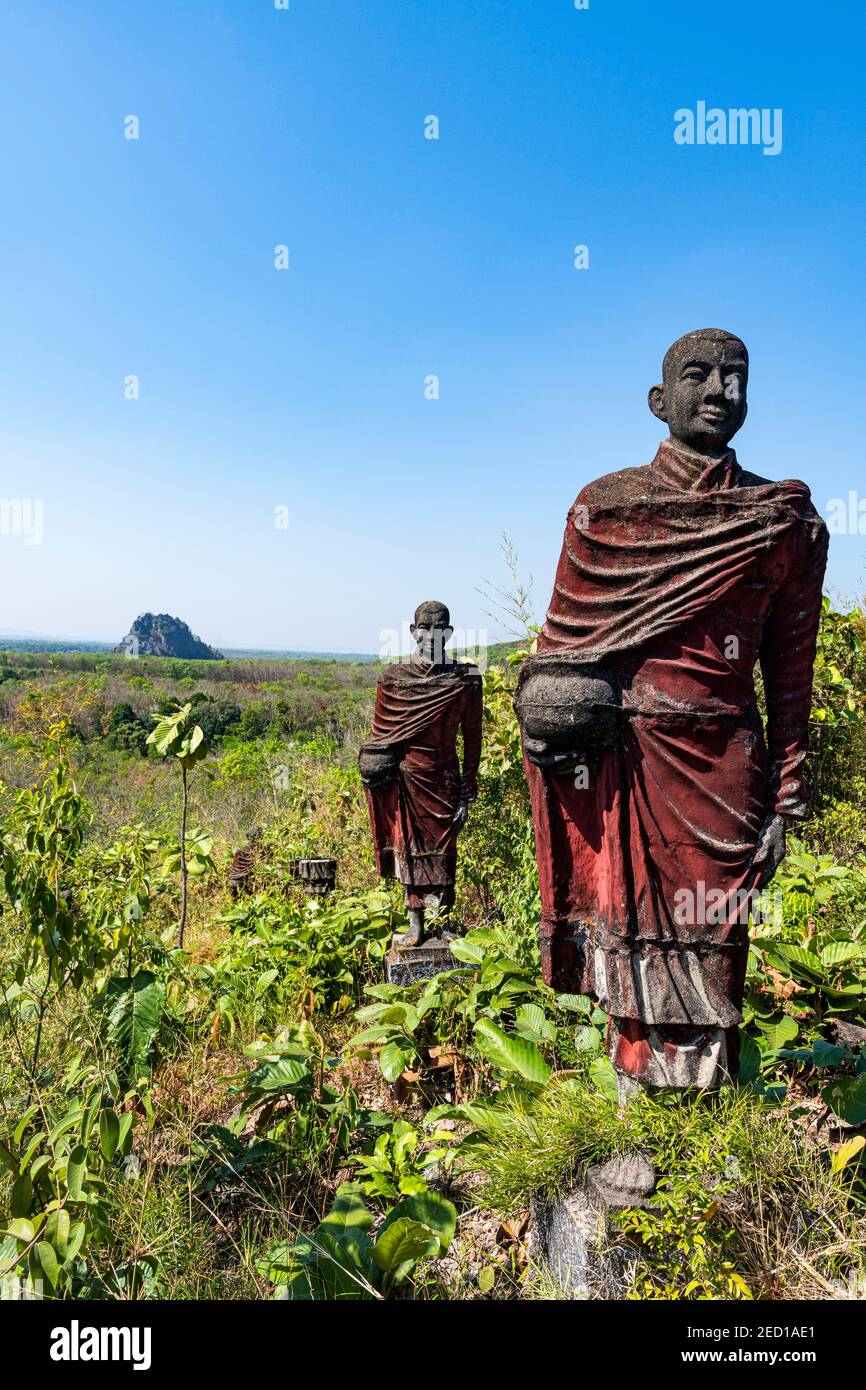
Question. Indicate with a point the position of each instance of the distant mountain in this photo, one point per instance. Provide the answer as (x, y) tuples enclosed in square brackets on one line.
[(159, 634)]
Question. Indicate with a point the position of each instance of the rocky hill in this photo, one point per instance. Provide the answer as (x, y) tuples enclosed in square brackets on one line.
[(159, 634)]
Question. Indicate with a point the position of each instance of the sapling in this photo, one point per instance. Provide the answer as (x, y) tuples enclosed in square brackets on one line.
[(177, 735)]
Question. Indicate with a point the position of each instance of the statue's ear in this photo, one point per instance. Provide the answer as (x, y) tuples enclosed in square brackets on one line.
[(657, 403), (412, 629), (449, 633)]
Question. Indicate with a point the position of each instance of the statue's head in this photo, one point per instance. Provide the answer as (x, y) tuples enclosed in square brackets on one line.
[(702, 398), (432, 630)]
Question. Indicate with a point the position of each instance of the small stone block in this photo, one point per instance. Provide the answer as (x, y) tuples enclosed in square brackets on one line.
[(414, 963)]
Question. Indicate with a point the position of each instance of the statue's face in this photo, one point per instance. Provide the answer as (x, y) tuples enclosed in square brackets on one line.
[(432, 640), (703, 398)]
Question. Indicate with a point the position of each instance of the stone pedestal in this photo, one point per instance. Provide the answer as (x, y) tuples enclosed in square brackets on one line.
[(409, 964), (571, 1233)]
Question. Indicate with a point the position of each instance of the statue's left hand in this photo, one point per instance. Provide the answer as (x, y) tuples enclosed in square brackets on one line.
[(771, 849), (459, 817)]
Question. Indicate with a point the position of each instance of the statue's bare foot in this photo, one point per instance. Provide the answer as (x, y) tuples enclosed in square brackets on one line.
[(413, 937)]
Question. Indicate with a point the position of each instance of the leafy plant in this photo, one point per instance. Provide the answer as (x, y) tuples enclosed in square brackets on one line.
[(286, 959), (341, 1260), (177, 735), (60, 1165), (462, 1014), (294, 1113), (134, 1007), (401, 1162)]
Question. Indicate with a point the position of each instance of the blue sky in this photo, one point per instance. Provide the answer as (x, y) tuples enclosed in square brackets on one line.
[(408, 257)]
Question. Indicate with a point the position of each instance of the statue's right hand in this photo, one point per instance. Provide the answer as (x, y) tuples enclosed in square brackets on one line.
[(540, 753)]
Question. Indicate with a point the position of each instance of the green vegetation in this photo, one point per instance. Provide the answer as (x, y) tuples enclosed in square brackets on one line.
[(209, 1097)]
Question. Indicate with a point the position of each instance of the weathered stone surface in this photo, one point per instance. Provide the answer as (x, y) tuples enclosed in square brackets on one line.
[(570, 1237), (317, 875), (627, 1181)]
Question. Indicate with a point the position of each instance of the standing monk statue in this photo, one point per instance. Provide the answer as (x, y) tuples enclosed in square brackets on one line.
[(417, 797), (660, 803)]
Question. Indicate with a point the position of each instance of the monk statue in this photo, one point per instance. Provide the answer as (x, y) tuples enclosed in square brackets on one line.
[(660, 801), (417, 797)]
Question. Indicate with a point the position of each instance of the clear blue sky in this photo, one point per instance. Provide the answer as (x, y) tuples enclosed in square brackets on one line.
[(305, 388)]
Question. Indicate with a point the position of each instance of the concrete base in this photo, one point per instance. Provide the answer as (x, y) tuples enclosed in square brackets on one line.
[(410, 964)]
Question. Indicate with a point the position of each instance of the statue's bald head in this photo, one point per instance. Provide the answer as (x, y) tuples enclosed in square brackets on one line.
[(690, 342), (702, 396), (432, 630), (432, 613)]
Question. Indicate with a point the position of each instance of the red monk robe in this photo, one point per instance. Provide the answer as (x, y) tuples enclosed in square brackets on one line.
[(419, 710), (661, 568)]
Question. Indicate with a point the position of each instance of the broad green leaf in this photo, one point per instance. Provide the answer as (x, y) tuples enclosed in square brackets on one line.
[(136, 1009), (402, 1242), (89, 1116), (604, 1078), (394, 1059), (284, 1074), (846, 1097), (22, 1194), (76, 1240), (349, 1211), (576, 1003), (534, 1023), (587, 1039), (798, 957), (48, 1260), (124, 1142), (465, 949), (511, 1053), (750, 1059), (21, 1229), (827, 1054), (76, 1172), (431, 1210), (109, 1134), (69, 1121), (57, 1231), (838, 952), (779, 1030), (22, 1124)]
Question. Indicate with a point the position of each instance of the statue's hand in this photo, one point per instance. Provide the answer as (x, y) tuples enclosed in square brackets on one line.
[(459, 817), (377, 766), (771, 849), (540, 754)]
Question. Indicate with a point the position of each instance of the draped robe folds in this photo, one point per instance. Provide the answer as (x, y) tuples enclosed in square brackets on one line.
[(677, 578), (419, 710)]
